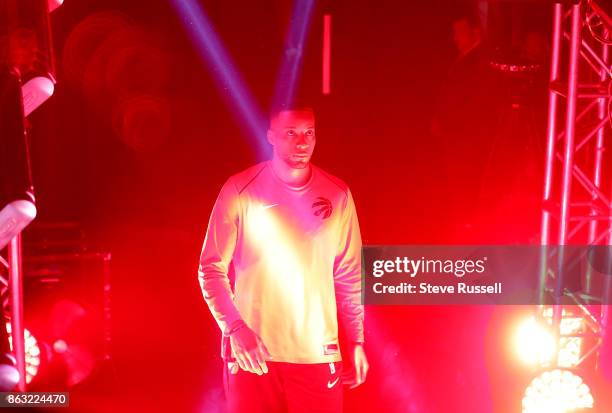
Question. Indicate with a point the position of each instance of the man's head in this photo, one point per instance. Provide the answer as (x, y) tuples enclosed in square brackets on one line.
[(292, 135), (466, 32)]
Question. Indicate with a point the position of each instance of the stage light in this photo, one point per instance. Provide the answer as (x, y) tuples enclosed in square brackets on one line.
[(17, 203), (295, 45), (326, 57), (536, 344), (28, 47), (54, 4), (66, 297), (14, 217), (557, 391), (9, 377), (35, 92), (231, 85), (68, 325), (32, 353)]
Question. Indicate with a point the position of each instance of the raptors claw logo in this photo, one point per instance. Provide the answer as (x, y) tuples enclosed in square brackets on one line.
[(322, 206)]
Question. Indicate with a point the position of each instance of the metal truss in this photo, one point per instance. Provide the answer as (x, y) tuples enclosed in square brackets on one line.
[(577, 192), (11, 291)]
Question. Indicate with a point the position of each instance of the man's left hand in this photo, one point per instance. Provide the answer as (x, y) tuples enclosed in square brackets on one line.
[(359, 371)]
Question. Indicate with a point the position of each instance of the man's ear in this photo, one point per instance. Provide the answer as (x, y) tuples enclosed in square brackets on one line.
[(270, 137)]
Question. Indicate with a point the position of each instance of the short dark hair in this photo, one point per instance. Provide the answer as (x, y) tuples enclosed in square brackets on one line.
[(469, 16), (295, 106)]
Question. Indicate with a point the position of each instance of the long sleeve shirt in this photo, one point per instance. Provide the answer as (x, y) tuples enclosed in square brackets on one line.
[(296, 257)]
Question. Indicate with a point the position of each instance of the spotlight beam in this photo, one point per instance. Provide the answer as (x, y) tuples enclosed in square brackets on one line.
[(229, 82), (295, 45)]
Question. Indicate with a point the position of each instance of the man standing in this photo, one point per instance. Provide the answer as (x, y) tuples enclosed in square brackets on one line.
[(463, 123), (290, 232)]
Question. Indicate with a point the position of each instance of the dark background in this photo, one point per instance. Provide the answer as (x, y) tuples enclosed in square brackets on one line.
[(137, 141)]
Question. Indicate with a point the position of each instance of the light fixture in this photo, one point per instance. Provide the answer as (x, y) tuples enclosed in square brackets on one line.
[(535, 342), (17, 208), (557, 391), (32, 351), (28, 49)]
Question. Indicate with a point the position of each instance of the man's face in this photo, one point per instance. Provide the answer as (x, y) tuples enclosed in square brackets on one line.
[(292, 134), (464, 35)]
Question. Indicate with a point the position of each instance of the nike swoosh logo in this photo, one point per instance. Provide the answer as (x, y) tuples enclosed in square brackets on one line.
[(268, 206), (331, 384)]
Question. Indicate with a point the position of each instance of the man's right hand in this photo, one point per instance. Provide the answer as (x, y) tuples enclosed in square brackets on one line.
[(249, 351)]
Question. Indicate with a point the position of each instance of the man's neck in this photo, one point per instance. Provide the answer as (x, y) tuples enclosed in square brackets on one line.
[(291, 176)]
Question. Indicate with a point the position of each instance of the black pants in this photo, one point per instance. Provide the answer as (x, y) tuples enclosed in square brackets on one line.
[(287, 387)]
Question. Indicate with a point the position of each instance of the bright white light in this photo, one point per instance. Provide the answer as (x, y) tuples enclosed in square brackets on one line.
[(14, 217), (60, 346), (32, 352), (535, 342), (274, 240), (35, 92), (557, 391), (54, 4)]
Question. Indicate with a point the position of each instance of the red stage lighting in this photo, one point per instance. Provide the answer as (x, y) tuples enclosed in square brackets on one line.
[(26, 47)]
